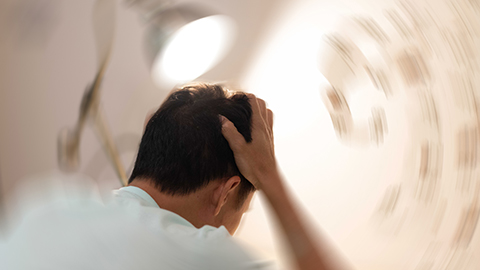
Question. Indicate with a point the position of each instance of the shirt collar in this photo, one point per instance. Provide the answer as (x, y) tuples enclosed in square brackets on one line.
[(140, 194), (171, 217)]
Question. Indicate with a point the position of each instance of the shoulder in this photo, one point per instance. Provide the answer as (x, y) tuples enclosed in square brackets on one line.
[(227, 252), (92, 235)]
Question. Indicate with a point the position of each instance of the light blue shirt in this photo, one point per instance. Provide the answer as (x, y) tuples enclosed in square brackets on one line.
[(129, 232)]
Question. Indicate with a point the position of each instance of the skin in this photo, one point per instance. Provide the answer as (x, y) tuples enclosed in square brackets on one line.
[(256, 161), (213, 205)]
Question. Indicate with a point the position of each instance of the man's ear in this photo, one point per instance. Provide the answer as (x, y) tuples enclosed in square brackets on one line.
[(223, 192)]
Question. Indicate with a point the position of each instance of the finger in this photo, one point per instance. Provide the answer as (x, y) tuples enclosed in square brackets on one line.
[(252, 99), (262, 107), (259, 110), (256, 114), (231, 134), (270, 120)]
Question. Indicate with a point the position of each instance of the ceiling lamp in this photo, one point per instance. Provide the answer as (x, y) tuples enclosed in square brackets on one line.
[(185, 41)]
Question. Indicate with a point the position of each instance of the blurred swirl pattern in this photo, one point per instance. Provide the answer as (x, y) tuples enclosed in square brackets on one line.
[(424, 55)]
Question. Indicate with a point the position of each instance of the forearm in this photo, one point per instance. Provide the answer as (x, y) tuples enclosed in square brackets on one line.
[(256, 161), (306, 251)]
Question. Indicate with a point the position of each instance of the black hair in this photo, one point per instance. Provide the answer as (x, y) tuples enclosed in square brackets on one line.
[(183, 149)]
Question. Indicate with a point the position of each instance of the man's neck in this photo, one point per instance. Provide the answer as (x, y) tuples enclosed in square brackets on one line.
[(193, 207)]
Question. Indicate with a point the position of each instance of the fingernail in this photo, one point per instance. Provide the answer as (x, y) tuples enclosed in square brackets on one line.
[(222, 119)]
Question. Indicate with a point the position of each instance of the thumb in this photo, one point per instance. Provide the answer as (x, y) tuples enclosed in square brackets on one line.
[(231, 134)]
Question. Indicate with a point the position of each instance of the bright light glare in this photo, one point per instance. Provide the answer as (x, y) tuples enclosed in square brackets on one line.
[(195, 48)]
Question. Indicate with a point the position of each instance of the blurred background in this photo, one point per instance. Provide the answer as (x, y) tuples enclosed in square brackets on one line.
[(376, 109)]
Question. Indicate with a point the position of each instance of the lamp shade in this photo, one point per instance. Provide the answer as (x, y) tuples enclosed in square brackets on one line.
[(183, 42)]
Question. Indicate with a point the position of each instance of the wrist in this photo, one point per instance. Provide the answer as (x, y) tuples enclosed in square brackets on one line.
[(272, 185)]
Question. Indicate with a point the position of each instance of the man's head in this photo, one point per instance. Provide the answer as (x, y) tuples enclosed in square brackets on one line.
[(183, 149)]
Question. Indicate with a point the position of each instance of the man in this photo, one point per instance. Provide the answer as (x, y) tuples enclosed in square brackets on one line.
[(188, 168), (202, 156), (186, 165)]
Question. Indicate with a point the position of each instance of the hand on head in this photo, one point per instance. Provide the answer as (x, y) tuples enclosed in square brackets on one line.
[(256, 159)]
